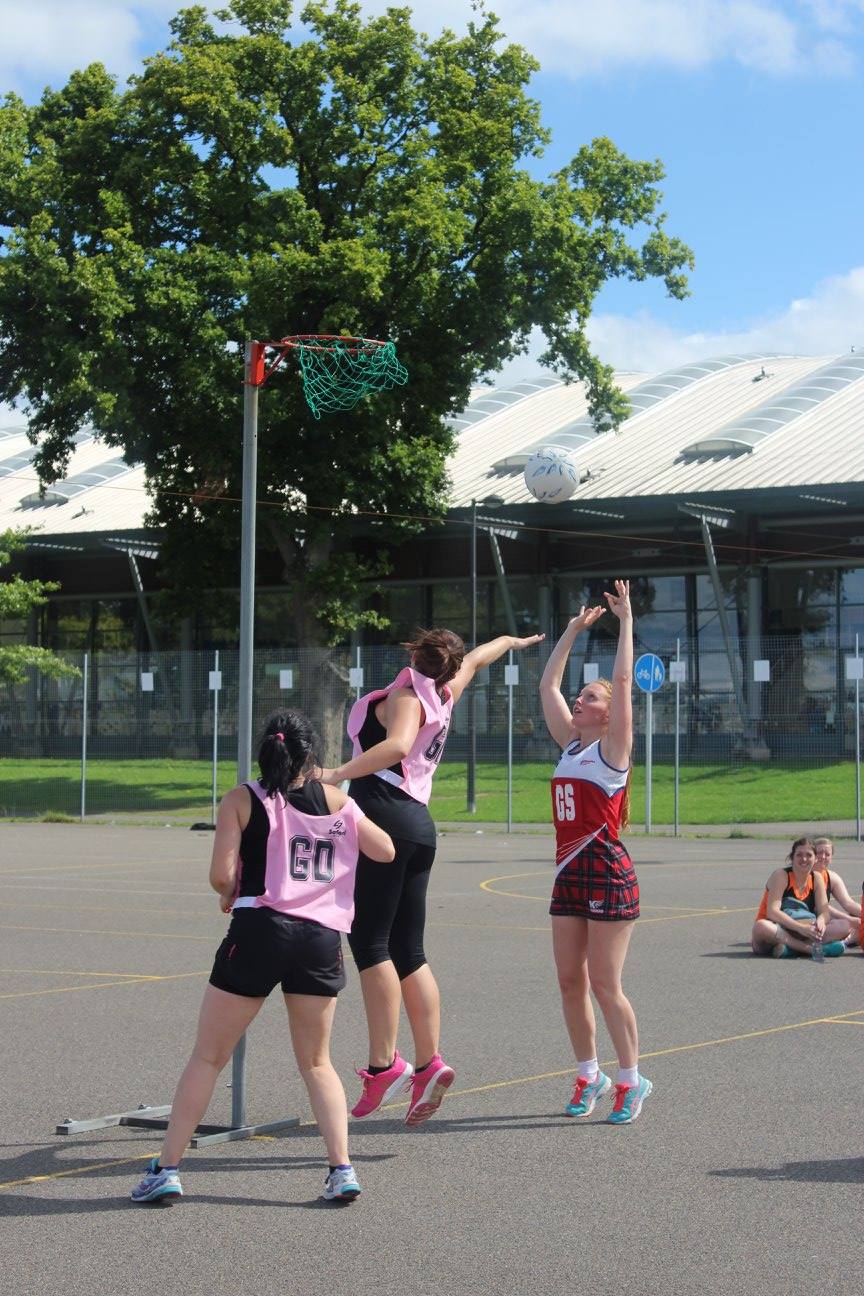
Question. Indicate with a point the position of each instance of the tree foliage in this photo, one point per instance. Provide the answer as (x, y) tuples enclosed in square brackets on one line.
[(18, 597), (288, 173)]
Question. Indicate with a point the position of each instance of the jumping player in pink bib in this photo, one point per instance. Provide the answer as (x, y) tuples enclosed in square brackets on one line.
[(595, 898), (284, 859), (398, 733)]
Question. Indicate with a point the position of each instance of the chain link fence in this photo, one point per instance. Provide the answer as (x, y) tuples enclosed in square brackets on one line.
[(156, 734)]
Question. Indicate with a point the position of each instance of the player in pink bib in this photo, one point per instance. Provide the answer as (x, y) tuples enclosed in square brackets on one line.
[(284, 859), (595, 898), (398, 735)]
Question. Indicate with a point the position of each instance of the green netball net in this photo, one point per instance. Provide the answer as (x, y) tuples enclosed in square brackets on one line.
[(337, 372)]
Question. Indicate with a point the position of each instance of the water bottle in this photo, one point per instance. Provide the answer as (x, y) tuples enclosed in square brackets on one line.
[(817, 951)]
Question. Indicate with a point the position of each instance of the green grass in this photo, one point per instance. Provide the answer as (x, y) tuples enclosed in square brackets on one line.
[(710, 794)]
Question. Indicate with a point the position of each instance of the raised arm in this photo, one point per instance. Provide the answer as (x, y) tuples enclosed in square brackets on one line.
[(556, 712), (484, 655), (618, 743)]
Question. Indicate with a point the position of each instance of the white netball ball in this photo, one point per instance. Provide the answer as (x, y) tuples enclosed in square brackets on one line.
[(551, 474)]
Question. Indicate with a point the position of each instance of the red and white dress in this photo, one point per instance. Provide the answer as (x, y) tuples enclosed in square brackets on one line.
[(594, 875)]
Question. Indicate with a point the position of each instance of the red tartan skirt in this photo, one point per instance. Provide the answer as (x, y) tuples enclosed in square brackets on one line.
[(599, 883)]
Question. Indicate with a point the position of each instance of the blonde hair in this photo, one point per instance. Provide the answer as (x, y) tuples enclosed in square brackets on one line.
[(606, 685), (823, 841)]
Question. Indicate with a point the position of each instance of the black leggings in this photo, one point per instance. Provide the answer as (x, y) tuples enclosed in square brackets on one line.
[(390, 909)]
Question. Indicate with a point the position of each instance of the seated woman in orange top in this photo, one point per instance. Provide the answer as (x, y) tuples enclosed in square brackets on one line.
[(794, 913)]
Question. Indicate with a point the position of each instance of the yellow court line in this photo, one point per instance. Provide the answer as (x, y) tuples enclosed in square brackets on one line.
[(696, 913), (29, 871), (674, 909), (99, 890), (678, 917), (499, 1084), (61, 1174), (102, 931), (72, 972), (102, 985), (677, 1048), (549, 872), (839, 1021), (699, 913), (70, 908)]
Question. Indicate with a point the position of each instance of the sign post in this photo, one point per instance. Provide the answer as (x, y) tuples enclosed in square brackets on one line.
[(215, 685), (855, 671), (511, 678), (649, 673), (677, 676)]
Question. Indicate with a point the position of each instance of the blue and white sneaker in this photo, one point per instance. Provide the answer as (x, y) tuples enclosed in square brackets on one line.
[(341, 1185), (628, 1102), (157, 1184), (586, 1093)]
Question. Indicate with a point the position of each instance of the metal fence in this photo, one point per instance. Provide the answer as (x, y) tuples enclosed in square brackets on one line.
[(157, 733)]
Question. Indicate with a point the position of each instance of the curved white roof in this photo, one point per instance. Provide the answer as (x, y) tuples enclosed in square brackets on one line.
[(99, 493), (732, 423), (673, 443)]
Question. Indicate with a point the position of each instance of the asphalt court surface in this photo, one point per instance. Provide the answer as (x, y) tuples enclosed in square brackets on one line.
[(744, 1172)]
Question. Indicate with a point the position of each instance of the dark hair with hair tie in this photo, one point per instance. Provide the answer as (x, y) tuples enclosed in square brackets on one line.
[(800, 841), (436, 653), (287, 749)]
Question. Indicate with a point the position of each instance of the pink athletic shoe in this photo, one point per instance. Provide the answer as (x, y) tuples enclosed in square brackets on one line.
[(428, 1088), (378, 1089)]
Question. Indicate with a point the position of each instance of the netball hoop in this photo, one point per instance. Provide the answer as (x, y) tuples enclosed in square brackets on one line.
[(337, 370)]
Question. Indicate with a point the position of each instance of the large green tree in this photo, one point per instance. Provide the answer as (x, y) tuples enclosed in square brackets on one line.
[(18, 597), (275, 173)]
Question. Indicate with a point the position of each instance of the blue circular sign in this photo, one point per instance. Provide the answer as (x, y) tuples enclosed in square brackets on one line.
[(649, 673)]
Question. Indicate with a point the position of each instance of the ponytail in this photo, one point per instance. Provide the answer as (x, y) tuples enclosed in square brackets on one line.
[(288, 748), (436, 653), (624, 821)]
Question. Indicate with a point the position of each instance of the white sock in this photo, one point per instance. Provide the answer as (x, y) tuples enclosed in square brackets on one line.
[(588, 1070), (628, 1076)]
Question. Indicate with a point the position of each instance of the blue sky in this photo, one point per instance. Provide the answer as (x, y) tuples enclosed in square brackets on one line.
[(755, 107)]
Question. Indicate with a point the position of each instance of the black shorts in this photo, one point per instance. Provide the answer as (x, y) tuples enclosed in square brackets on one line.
[(264, 948)]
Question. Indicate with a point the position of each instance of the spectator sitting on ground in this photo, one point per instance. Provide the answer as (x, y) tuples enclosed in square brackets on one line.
[(840, 902), (794, 913)]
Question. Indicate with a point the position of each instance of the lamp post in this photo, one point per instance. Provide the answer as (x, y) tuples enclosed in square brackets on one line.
[(472, 689)]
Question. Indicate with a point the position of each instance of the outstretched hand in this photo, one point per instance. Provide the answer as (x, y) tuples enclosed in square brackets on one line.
[(619, 602), (586, 617), (528, 641)]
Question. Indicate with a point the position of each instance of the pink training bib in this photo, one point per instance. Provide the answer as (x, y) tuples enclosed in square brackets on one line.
[(418, 767), (311, 863)]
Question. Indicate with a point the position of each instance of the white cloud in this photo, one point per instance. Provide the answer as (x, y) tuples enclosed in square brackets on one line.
[(826, 323), (586, 37), (45, 40)]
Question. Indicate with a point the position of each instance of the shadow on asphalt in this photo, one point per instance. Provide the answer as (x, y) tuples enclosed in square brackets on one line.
[(468, 1124), (847, 1170), (740, 949), (18, 1205), (45, 1160)]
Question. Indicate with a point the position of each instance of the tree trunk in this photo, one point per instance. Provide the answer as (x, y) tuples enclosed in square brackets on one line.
[(323, 669)]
